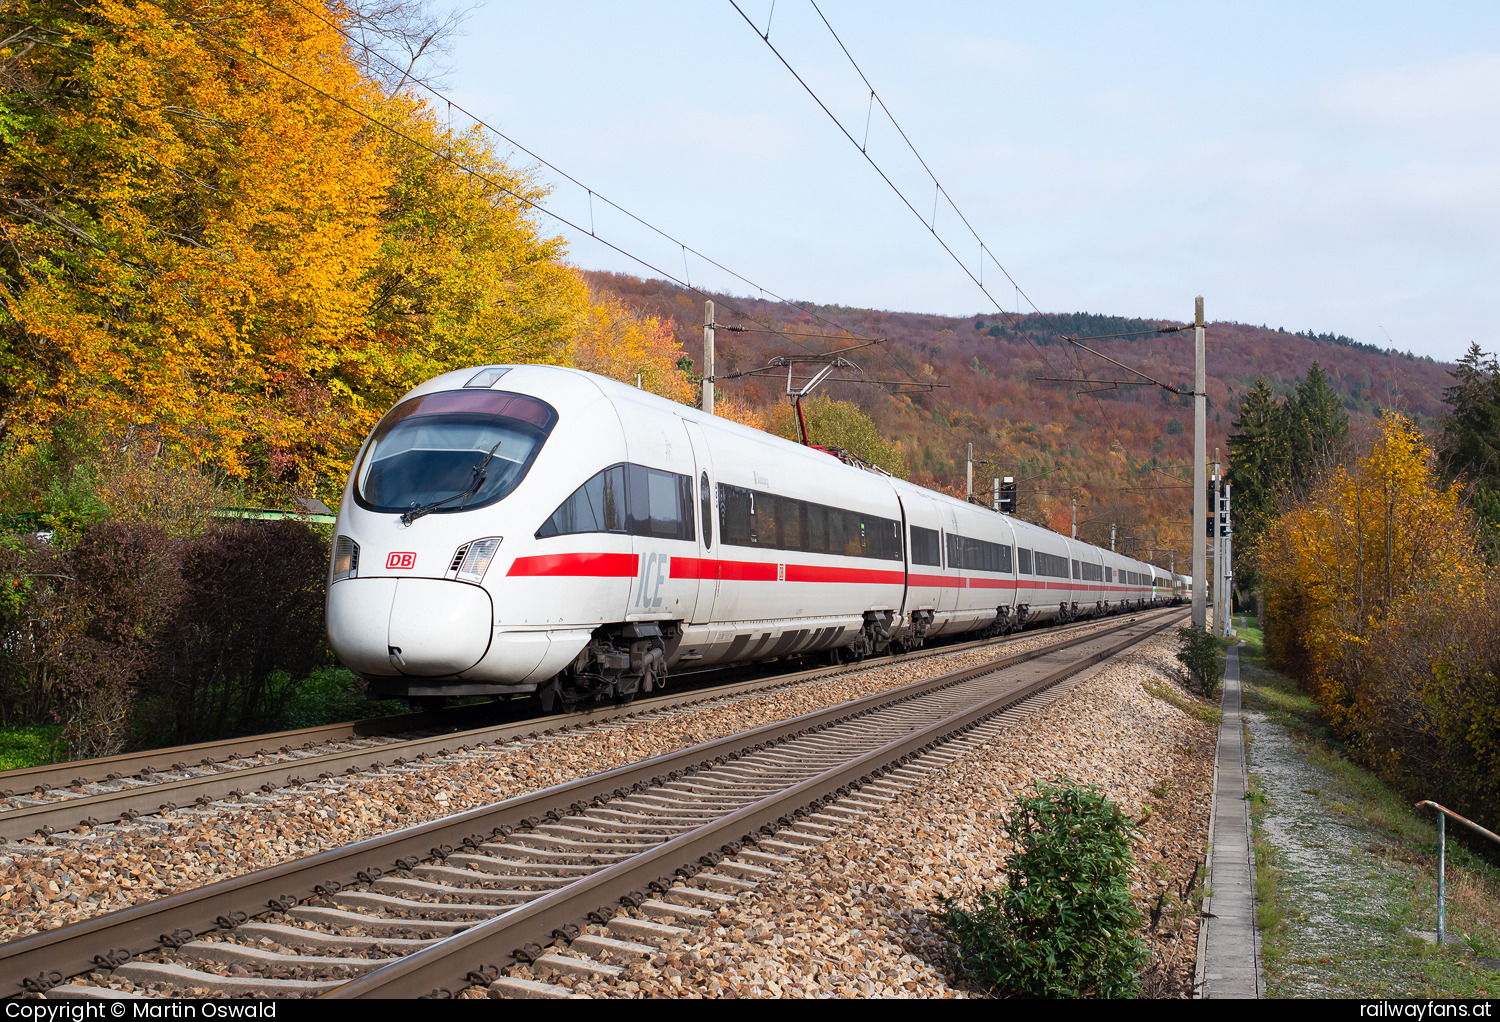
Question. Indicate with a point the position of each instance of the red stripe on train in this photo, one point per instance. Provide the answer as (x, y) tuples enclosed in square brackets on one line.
[(760, 571), (818, 573), (587, 565)]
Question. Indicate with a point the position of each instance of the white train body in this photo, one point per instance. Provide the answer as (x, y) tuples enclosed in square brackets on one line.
[(614, 534)]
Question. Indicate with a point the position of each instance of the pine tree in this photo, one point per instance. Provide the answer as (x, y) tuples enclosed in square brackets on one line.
[(1315, 428), (1258, 462), (1470, 442)]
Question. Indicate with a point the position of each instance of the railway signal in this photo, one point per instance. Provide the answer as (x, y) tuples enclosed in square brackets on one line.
[(1008, 495)]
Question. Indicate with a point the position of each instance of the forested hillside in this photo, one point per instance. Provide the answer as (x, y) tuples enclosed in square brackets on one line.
[(1124, 453)]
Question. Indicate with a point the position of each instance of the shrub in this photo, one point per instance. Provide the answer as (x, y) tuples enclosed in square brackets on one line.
[(329, 695), (80, 626), (252, 607), (1065, 925), (1203, 655)]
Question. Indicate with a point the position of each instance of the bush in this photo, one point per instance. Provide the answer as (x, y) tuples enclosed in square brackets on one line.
[(79, 628), (180, 638), (252, 607), (1065, 925), (330, 695), (1203, 655)]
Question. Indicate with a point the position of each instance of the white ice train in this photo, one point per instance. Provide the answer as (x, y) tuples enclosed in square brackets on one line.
[(512, 529)]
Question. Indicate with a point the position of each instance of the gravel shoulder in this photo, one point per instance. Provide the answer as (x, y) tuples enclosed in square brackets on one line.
[(856, 917)]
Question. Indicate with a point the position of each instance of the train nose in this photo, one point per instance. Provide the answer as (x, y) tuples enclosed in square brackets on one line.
[(423, 627)]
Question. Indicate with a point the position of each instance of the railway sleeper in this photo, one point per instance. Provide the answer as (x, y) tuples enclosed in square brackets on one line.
[(419, 928), (184, 979), (487, 895), (423, 910), (316, 940), (460, 877), (225, 953)]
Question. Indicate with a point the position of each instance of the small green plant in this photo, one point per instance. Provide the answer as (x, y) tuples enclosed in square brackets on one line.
[(1065, 925), (28, 746), (1203, 655), (1198, 711)]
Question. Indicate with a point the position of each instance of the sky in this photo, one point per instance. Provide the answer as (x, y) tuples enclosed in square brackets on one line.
[(1328, 166)]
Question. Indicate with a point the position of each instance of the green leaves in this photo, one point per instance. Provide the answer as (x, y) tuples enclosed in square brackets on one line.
[(1203, 655), (1065, 926)]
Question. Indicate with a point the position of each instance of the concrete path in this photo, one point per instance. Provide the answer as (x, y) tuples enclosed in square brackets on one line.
[(1228, 942)]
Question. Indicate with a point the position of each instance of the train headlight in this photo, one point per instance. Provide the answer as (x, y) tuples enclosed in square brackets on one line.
[(474, 558), (345, 559)]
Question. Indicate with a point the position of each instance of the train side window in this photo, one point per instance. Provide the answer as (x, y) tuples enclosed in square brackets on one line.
[(1051, 565), (978, 554), (764, 521), (817, 528), (1023, 560), (924, 546), (706, 494), (793, 536), (596, 506), (734, 515), (1075, 570), (660, 503)]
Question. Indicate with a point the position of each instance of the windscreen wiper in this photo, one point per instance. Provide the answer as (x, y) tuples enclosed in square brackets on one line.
[(480, 471)]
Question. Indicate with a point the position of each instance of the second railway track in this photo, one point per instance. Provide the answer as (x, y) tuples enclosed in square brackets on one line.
[(64, 796), (446, 905)]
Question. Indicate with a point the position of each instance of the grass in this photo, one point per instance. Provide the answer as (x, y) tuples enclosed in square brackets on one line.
[(30, 746), (1268, 898), (1346, 870), (1189, 705)]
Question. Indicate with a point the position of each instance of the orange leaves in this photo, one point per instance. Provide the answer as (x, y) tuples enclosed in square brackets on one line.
[(611, 339)]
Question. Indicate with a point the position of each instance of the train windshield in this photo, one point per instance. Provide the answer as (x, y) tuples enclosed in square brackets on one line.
[(432, 448)]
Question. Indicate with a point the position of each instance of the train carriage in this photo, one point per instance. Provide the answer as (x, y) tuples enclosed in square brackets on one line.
[(510, 529)]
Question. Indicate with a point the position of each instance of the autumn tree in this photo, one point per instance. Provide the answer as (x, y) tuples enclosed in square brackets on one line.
[(212, 248), (1370, 545), (611, 339), (833, 423)]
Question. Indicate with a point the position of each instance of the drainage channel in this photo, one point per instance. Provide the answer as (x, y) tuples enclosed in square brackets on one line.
[(446, 918)]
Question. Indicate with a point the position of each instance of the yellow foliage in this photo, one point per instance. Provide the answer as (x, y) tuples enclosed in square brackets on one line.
[(738, 410), (206, 253), (613, 340), (1375, 543)]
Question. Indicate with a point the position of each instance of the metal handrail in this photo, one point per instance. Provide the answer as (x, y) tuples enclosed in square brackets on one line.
[(1443, 813)]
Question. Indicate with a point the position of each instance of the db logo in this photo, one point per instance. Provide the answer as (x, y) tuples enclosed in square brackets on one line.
[(401, 559)]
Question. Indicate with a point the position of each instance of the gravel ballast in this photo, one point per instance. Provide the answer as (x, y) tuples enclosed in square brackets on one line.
[(81, 874), (857, 916)]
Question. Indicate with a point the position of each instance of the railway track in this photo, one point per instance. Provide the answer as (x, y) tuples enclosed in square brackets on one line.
[(64, 796), (449, 905)]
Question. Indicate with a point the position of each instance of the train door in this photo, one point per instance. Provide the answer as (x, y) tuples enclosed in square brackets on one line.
[(952, 597), (706, 495)]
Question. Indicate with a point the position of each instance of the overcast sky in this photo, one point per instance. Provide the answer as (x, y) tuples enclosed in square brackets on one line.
[(1315, 166)]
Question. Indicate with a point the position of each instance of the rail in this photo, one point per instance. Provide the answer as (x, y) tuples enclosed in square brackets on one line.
[(181, 784), (118, 936)]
